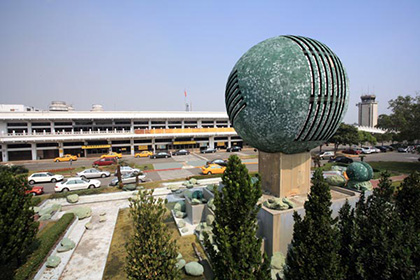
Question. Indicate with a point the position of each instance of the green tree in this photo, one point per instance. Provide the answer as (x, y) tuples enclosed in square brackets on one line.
[(17, 226), (365, 136), (381, 244), (151, 252), (238, 253), (404, 118), (408, 198), (314, 251), (345, 135), (346, 227)]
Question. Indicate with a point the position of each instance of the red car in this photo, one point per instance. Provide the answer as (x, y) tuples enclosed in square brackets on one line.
[(351, 152), (104, 161), (35, 191)]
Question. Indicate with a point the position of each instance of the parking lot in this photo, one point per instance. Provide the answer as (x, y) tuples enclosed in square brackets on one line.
[(179, 167)]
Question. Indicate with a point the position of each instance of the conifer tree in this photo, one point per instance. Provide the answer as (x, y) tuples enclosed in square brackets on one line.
[(238, 253), (381, 242), (314, 251), (17, 226), (346, 227), (151, 252), (408, 198)]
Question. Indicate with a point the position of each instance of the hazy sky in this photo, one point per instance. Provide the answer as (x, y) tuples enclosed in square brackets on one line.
[(141, 55)]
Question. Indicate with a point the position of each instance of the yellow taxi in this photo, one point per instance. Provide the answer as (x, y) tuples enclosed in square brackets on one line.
[(213, 169), (143, 154), (66, 157), (112, 155)]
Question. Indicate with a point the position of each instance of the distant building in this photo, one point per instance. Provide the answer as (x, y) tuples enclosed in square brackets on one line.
[(60, 106), (368, 111), (16, 108)]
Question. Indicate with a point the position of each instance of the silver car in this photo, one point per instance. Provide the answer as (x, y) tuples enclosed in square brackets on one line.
[(128, 178), (93, 173), (127, 170)]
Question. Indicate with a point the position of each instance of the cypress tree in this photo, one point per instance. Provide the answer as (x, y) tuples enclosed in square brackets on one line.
[(346, 227), (238, 253), (380, 243), (151, 252), (314, 251), (408, 199), (17, 226)]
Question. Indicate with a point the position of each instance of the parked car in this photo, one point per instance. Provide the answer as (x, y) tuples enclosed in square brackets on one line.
[(403, 150), (112, 155), (382, 149), (208, 150), (181, 153), (66, 157), (128, 178), (234, 149), (76, 183), (36, 190), (389, 148), (104, 161), (93, 173), (341, 159), (44, 177), (143, 154), (351, 152), (127, 170), (218, 161), (367, 150), (161, 155), (326, 155), (213, 169)]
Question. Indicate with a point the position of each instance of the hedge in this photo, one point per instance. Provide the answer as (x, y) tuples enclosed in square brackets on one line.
[(46, 240), (81, 192)]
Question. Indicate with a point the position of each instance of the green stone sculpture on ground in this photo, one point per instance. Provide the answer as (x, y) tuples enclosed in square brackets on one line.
[(194, 269), (66, 244), (336, 180), (53, 261), (81, 212), (72, 198)]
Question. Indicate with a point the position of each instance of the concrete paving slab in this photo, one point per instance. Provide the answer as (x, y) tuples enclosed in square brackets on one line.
[(74, 233), (167, 165), (89, 258), (188, 225), (196, 163), (174, 174)]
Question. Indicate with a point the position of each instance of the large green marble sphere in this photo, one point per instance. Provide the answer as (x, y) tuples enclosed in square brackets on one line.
[(287, 94)]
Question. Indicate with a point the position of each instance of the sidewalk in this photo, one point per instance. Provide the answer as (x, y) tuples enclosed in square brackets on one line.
[(375, 182)]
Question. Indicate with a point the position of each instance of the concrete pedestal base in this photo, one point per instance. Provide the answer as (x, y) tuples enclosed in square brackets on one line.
[(285, 175)]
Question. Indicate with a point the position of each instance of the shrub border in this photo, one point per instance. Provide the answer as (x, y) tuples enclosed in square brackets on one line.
[(47, 240)]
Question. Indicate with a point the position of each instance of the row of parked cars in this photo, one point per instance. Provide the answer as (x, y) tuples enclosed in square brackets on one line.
[(108, 158), (84, 180)]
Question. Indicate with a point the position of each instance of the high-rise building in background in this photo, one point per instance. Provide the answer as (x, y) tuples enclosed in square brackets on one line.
[(368, 111)]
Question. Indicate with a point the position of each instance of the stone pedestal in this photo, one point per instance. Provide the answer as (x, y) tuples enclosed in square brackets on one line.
[(285, 175)]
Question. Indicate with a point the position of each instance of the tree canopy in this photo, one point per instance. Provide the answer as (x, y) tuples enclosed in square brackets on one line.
[(405, 117), (345, 135)]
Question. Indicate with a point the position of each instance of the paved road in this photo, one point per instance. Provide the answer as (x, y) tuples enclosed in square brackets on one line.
[(165, 169), (185, 166)]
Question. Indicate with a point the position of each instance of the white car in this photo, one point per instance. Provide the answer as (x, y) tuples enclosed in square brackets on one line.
[(76, 183), (127, 170), (326, 155), (128, 178), (44, 177), (93, 173), (367, 150)]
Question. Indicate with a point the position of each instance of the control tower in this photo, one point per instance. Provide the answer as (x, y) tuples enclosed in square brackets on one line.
[(368, 111)]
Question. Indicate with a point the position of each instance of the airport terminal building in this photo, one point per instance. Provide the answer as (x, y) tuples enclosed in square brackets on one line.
[(31, 135)]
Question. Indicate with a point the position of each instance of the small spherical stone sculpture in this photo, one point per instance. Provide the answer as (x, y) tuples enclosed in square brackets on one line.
[(359, 174), (287, 94)]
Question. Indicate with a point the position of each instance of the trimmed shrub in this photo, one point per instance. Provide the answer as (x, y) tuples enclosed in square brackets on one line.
[(46, 241)]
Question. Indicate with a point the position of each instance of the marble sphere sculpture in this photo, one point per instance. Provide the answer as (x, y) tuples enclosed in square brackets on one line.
[(287, 94)]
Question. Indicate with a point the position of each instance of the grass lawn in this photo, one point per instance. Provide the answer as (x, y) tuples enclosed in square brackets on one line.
[(117, 254), (396, 167)]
